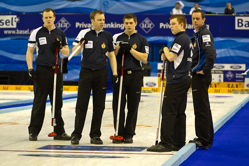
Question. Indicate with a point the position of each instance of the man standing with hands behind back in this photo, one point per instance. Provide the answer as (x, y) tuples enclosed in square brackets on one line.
[(46, 39), (203, 60), (93, 75)]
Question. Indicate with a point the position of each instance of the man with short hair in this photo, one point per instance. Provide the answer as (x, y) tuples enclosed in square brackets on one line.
[(179, 59), (178, 8), (136, 50), (194, 8), (229, 9), (93, 75), (203, 60), (46, 39)]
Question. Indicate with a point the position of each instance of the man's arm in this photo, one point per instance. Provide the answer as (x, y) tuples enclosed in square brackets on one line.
[(74, 48), (29, 57), (181, 4), (169, 55), (207, 45), (117, 47), (113, 62), (65, 50), (139, 55)]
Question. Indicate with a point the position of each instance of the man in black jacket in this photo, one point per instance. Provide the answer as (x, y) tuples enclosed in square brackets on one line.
[(203, 60), (179, 58)]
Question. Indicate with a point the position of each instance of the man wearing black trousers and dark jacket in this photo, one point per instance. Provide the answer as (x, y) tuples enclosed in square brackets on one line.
[(46, 39), (93, 75), (179, 59), (136, 49), (203, 60)]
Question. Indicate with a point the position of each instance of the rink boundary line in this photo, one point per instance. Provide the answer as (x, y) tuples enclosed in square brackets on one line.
[(88, 152), (21, 105), (190, 148)]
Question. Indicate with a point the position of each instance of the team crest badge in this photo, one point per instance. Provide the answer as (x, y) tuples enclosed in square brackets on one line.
[(134, 46), (103, 45)]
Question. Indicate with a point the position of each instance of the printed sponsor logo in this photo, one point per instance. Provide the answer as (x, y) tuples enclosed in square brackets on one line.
[(218, 66), (235, 67), (229, 75), (147, 25), (63, 24), (8, 21), (242, 23), (167, 26), (247, 85), (150, 84), (83, 25), (114, 25)]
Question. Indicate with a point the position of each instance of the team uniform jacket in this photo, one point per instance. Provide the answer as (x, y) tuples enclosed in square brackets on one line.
[(138, 42), (204, 50), (94, 52), (43, 40), (178, 70)]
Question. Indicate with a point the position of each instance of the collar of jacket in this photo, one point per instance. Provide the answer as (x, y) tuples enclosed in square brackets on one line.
[(198, 32), (182, 32)]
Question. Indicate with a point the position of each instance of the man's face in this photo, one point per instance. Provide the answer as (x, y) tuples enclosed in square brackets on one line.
[(98, 22), (130, 25), (229, 5), (48, 18), (175, 26), (197, 20), (177, 5), (196, 6)]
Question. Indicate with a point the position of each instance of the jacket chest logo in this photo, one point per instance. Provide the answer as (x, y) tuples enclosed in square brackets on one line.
[(134, 46), (103, 46)]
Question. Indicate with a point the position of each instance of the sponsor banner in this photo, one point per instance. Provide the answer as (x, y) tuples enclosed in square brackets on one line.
[(150, 81), (228, 72), (148, 25), (233, 76), (238, 67), (246, 85), (242, 23), (217, 76)]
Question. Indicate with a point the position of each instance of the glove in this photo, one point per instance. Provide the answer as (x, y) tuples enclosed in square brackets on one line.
[(125, 45), (64, 65), (32, 74), (114, 79), (84, 39), (57, 44), (121, 51), (161, 50)]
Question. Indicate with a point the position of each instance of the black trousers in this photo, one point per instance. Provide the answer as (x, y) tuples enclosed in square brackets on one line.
[(42, 88), (173, 126), (131, 93), (203, 116), (95, 80)]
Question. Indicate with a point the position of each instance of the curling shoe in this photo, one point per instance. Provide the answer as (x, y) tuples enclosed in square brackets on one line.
[(159, 148), (75, 140), (96, 140), (63, 136), (200, 144), (32, 137), (128, 140)]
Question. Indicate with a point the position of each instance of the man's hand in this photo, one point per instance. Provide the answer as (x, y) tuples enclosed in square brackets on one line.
[(84, 39), (125, 46), (161, 50), (114, 79), (32, 74), (57, 44), (200, 72)]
